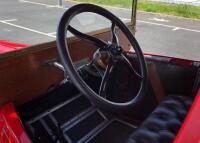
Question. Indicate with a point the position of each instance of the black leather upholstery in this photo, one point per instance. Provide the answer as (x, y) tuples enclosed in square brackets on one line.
[(164, 122)]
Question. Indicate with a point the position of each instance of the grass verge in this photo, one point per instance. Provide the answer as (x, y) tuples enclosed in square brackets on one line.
[(117, 3), (182, 10)]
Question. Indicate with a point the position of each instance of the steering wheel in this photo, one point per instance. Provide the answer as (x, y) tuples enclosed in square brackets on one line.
[(114, 49)]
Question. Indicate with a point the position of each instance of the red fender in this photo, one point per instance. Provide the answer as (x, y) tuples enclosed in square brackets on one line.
[(11, 129)]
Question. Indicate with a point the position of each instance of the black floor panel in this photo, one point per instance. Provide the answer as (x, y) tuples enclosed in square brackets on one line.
[(67, 112), (52, 98), (40, 133), (115, 132), (85, 126), (70, 118)]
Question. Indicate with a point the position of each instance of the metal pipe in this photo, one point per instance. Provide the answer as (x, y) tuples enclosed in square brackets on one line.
[(60, 3)]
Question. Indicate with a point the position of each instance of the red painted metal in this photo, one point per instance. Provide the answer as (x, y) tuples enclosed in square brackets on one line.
[(11, 129), (172, 60), (6, 46), (190, 129)]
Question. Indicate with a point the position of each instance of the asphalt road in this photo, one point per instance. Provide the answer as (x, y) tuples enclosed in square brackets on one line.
[(167, 35), (35, 21)]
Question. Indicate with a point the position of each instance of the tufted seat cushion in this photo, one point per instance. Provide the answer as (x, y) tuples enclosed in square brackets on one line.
[(164, 122)]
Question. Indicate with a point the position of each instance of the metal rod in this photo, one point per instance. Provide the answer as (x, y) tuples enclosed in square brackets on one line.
[(60, 3)]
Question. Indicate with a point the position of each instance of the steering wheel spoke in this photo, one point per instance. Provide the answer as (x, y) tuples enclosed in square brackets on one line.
[(128, 63), (115, 39), (87, 38), (105, 79)]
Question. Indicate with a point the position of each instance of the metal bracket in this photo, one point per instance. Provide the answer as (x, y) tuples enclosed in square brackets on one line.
[(55, 63)]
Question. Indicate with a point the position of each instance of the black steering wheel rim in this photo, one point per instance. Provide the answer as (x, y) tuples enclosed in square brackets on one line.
[(73, 74)]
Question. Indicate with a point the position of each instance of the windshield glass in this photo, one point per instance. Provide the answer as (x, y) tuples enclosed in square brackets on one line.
[(30, 22)]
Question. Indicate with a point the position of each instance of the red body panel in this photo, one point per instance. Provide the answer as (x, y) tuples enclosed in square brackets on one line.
[(190, 129), (6, 46), (11, 129), (172, 60)]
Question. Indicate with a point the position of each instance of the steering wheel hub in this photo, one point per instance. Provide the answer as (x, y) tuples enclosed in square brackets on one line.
[(115, 50)]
